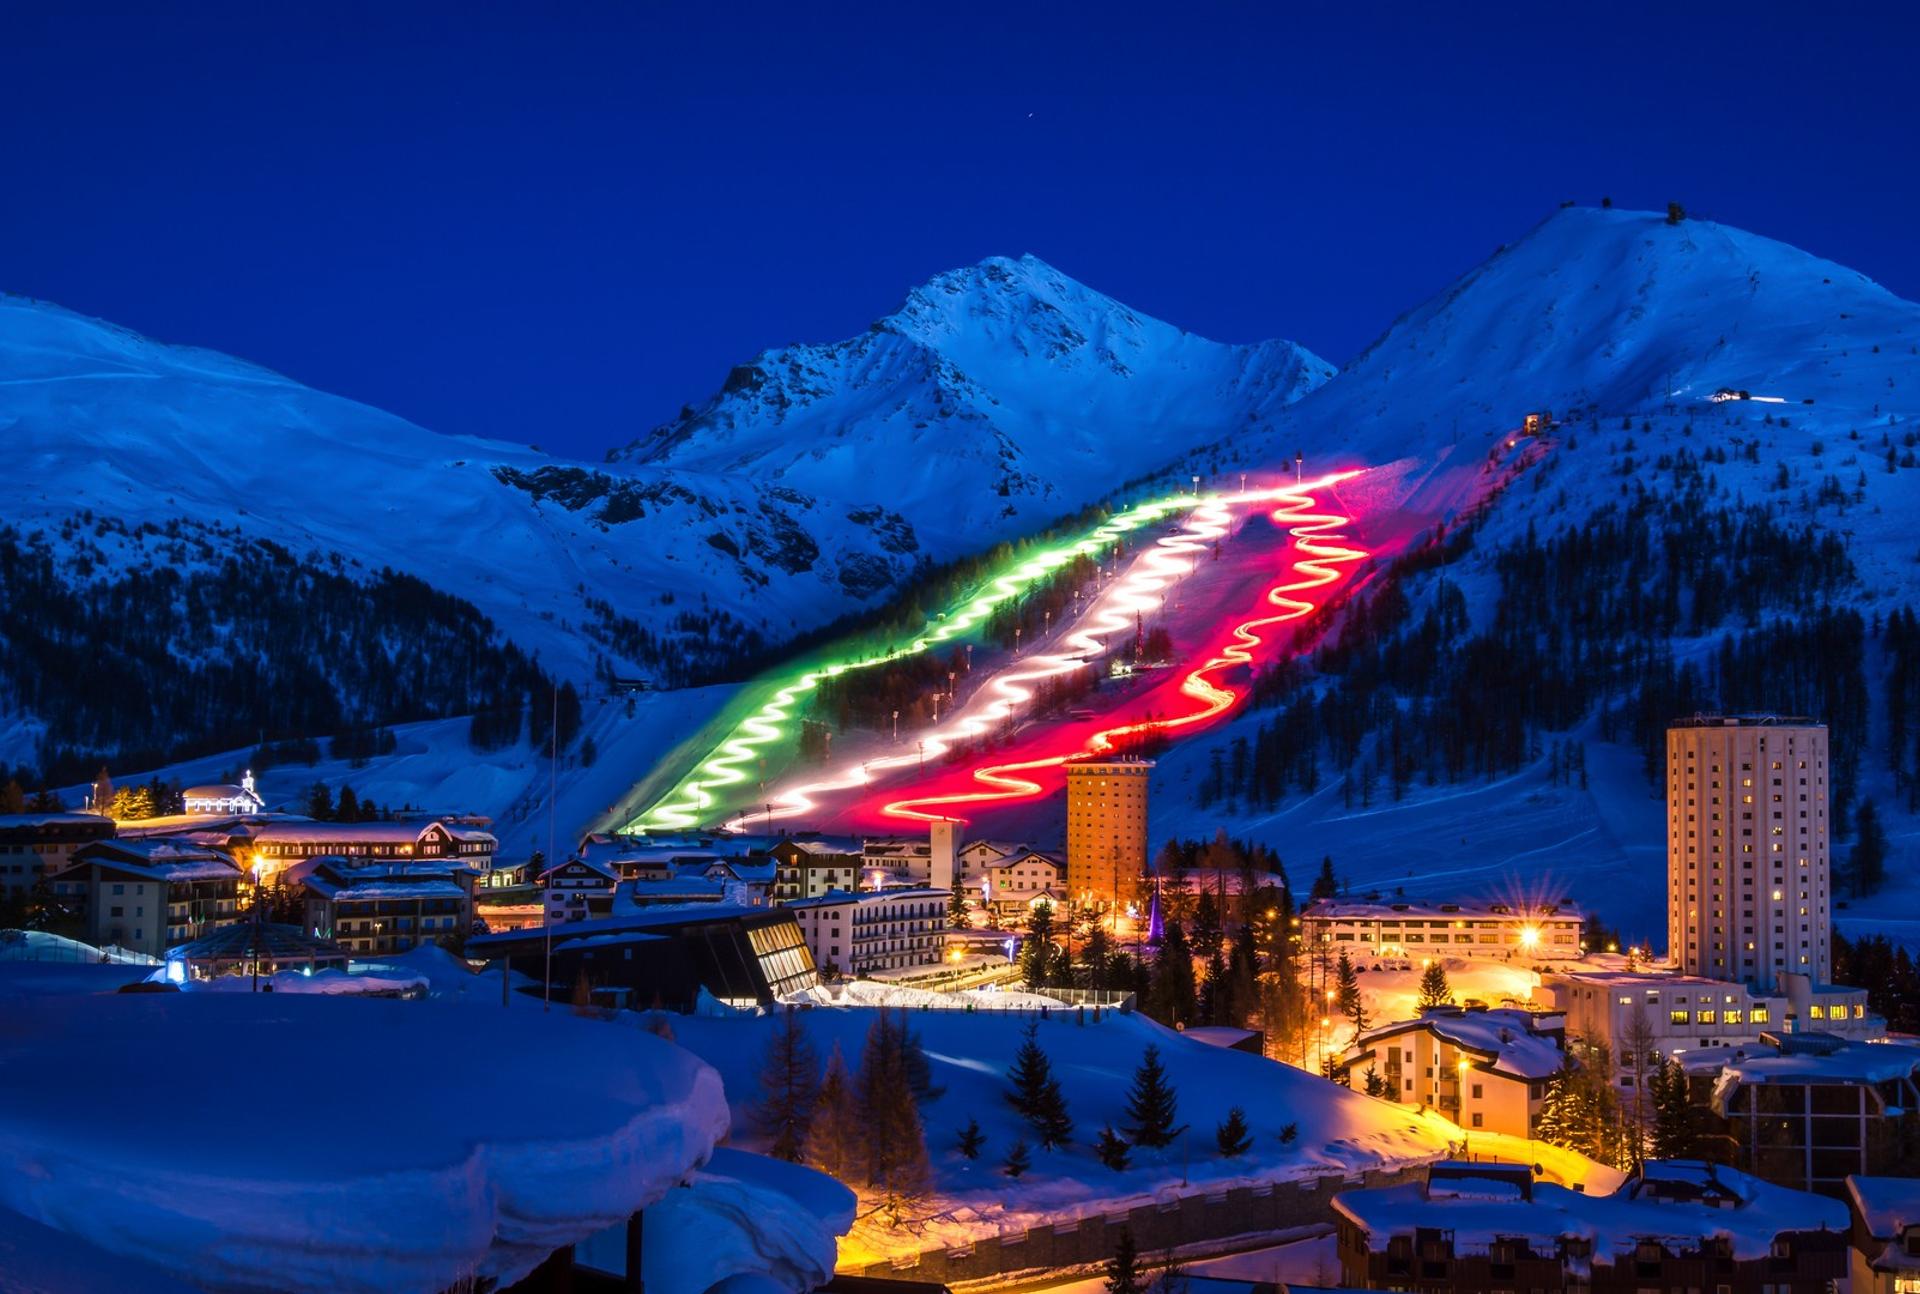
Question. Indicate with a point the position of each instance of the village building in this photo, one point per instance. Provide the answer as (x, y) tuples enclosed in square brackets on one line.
[(384, 908), (895, 862), (1886, 1234), (810, 867), (668, 954), (224, 799), (747, 881), (148, 895), (1400, 929), (1484, 1069), (1011, 886), (1689, 1018), (1809, 1110), (577, 890), (1474, 1227), (274, 844), (33, 846), (870, 931)]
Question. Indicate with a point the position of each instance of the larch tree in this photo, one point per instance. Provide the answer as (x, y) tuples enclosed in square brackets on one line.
[(789, 1089), (833, 1137)]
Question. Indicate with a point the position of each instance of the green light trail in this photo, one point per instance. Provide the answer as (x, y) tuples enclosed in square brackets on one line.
[(683, 807)]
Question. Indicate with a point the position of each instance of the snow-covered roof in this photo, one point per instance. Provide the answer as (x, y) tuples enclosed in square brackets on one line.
[(1023, 855), (825, 847), (1464, 909), (354, 890), (605, 871), (664, 916), (665, 888), (1888, 1205), (415, 1194), (269, 941), (1611, 1222), (1844, 1062), (29, 821), (165, 861), (306, 831), (837, 898), (1505, 1040)]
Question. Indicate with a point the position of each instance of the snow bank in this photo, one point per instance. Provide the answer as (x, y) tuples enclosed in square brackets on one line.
[(744, 1218), (399, 1186), (36, 1259)]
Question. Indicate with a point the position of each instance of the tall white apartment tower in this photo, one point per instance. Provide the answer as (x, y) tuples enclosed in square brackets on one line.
[(1748, 885)]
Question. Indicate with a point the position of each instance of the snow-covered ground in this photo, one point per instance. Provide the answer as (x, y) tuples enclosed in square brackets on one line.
[(556, 1128), (1336, 1131)]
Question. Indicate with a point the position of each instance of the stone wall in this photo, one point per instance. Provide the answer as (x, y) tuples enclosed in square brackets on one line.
[(1198, 1215)]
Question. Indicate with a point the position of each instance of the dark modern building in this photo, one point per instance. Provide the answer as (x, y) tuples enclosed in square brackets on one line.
[(665, 954), (1809, 1110)]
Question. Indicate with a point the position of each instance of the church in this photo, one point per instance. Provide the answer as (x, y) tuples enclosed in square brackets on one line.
[(224, 800)]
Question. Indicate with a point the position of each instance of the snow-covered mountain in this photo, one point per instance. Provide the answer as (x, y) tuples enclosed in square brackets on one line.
[(1626, 328), (1623, 312), (127, 456), (1000, 393)]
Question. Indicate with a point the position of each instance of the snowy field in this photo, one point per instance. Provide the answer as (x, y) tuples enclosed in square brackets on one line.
[(1337, 1131)]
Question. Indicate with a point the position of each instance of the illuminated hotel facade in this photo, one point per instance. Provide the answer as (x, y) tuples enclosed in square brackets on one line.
[(1400, 928), (1748, 875), (1106, 829)]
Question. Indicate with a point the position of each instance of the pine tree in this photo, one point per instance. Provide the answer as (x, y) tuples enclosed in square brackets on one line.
[(1434, 989), (1036, 1092), (1151, 1104), (833, 1139), (971, 1139), (1216, 996), (1673, 1118), (789, 1088), (1019, 1159), (1173, 997), (320, 802), (1375, 1085), (348, 808), (1036, 953), (13, 798), (1232, 1136), (1123, 1269), (1326, 885), (1096, 959), (1347, 994), (1054, 1124), (1031, 1073), (1113, 1151), (1868, 863), (957, 910)]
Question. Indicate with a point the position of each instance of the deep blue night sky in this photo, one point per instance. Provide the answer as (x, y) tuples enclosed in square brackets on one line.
[(557, 223)]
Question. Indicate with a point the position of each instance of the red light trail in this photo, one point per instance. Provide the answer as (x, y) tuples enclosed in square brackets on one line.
[(1321, 555)]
